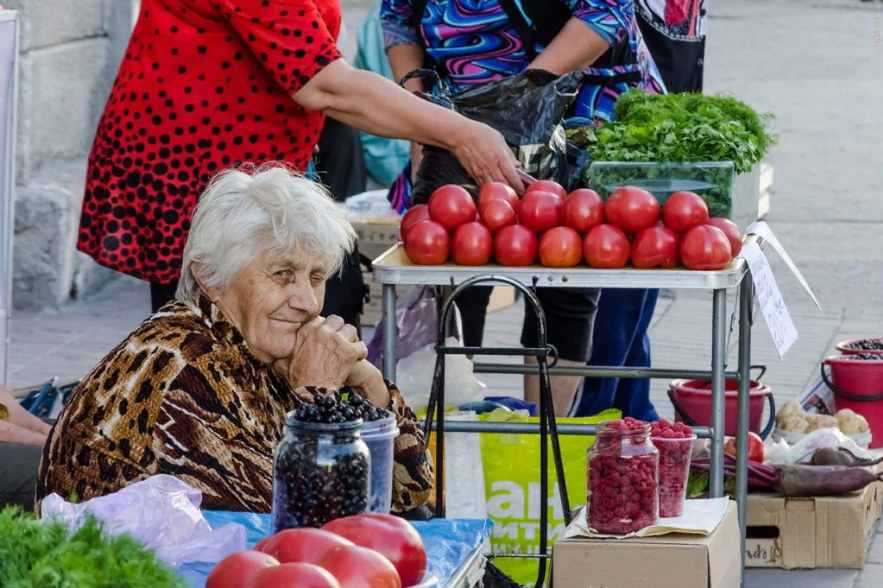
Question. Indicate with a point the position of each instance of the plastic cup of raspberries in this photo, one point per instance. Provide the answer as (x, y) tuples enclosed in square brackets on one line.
[(675, 444), (622, 494)]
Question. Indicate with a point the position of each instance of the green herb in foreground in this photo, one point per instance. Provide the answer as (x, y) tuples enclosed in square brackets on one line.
[(34, 554)]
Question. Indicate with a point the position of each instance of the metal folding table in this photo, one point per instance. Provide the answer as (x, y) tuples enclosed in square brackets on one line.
[(393, 268)]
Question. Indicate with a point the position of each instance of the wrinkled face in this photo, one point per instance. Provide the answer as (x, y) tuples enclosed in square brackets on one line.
[(270, 300)]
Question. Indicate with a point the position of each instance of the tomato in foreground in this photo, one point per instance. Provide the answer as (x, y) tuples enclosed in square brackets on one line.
[(655, 247), (235, 570), (547, 186), (300, 545), (705, 248), (515, 246), (427, 243), (391, 537), (582, 210), (497, 191), (606, 247), (359, 567), (730, 230), (631, 209), (293, 575), (414, 215), (472, 244), (451, 206), (496, 214), (755, 447), (561, 247), (683, 211), (539, 211)]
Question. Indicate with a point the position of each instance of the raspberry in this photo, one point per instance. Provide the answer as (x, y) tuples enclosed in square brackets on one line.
[(674, 443), (623, 472)]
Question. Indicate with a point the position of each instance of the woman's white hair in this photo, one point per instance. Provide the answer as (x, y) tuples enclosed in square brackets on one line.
[(244, 212)]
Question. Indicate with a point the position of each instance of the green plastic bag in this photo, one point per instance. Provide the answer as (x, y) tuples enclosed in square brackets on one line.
[(512, 484)]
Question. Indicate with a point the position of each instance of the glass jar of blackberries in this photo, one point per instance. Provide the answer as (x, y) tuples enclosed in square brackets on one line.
[(322, 468), (623, 481)]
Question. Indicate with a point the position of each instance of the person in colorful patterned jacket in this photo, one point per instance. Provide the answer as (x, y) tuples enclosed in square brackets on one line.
[(471, 42), (201, 389)]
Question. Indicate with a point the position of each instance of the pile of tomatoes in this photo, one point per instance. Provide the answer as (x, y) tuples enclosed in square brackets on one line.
[(561, 230), (362, 551)]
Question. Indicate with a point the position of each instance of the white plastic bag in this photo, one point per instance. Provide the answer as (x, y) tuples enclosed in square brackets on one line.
[(464, 493), (781, 452), (163, 513), (414, 378)]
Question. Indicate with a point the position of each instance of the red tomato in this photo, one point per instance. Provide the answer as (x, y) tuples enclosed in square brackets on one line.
[(755, 447), (451, 206), (731, 230), (496, 214), (414, 215), (606, 247), (235, 570), (300, 545), (631, 209), (683, 211), (582, 210), (539, 211), (515, 245), (293, 575), (427, 243), (360, 567), (705, 248), (656, 246), (497, 191), (392, 537), (561, 247), (472, 244), (547, 186)]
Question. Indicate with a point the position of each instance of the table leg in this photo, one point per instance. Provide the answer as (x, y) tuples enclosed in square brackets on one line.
[(390, 332), (718, 364), (745, 304)]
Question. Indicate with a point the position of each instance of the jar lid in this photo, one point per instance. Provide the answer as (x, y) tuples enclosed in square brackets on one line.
[(351, 427)]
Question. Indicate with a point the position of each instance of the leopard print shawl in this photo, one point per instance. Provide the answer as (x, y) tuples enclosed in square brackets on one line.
[(183, 395)]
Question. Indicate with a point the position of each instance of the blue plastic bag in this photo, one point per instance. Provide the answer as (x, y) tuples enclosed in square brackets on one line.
[(449, 542)]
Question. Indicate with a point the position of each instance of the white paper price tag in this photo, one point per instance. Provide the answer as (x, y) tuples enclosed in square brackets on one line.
[(770, 299), (763, 230)]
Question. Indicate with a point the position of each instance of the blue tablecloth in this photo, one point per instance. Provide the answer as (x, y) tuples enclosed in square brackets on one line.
[(449, 542)]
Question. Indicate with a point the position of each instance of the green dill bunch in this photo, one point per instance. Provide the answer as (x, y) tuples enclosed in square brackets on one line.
[(35, 554)]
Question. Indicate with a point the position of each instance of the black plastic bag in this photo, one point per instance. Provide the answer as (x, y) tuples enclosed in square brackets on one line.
[(527, 109), (494, 578)]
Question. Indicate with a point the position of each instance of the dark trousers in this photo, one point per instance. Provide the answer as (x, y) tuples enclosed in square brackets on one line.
[(18, 474), (621, 339), (570, 316)]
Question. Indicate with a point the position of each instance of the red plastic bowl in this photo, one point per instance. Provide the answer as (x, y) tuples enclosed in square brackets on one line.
[(857, 383), (694, 398), (850, 347)]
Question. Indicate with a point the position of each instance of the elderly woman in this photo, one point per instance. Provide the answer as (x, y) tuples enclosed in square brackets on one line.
[(201, 389)]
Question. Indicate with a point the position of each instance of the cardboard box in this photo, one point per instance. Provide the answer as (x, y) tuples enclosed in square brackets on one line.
[(375, 236), (669, 561), (808, 533)]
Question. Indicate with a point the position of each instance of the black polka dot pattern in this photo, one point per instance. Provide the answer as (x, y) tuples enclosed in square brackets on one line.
[(205, 85)]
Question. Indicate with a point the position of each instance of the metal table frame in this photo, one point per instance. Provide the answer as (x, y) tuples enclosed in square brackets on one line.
[(392, 268)]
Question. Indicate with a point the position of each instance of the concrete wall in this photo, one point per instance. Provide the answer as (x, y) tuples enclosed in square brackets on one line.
[(70, 52)]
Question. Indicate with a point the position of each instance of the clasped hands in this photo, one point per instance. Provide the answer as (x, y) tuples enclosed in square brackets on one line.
[(328, 353)]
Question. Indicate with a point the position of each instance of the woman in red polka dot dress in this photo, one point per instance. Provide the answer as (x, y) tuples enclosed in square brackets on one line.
[(209, 84)]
